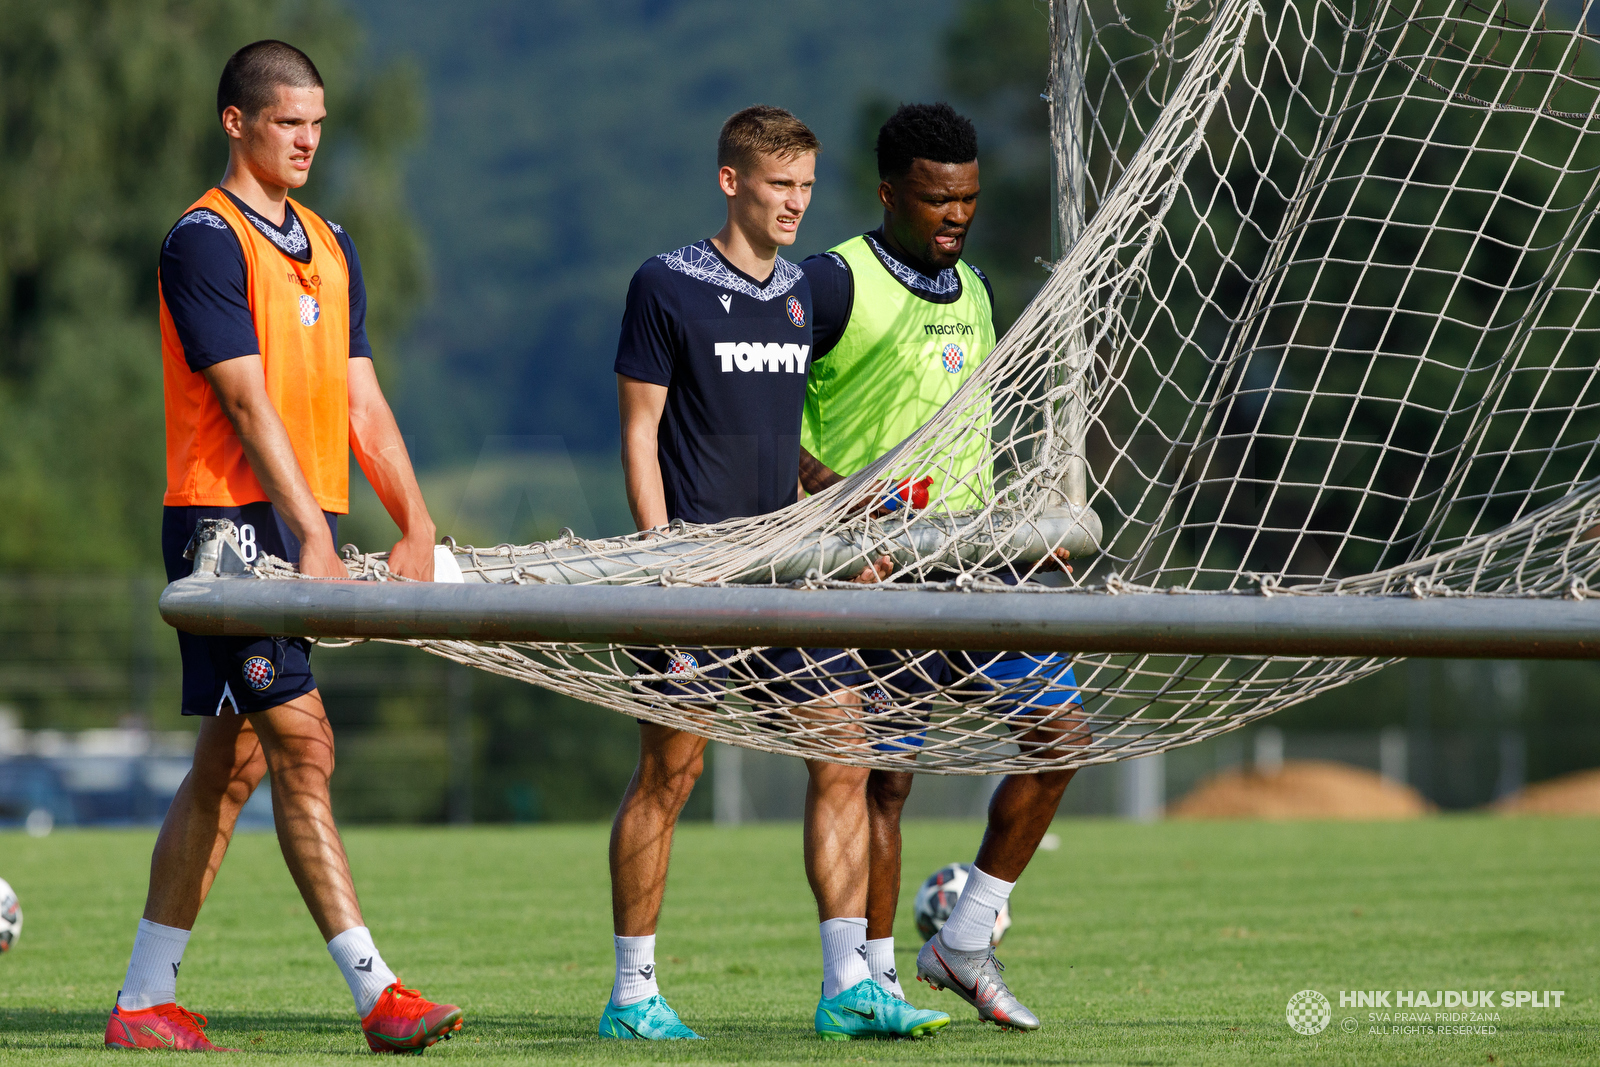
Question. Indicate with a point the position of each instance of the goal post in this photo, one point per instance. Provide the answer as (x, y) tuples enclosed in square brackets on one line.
[(961, 617)]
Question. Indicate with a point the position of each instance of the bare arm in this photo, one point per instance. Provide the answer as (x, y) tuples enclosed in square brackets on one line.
[(381, 451), (641, 405), (241, 387), (815, 476)]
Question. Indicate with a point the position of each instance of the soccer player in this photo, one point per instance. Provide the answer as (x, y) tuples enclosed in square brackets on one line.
[(901, 323), (711, 378), (269, 381)]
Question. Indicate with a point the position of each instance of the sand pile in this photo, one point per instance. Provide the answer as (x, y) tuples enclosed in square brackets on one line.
[(1571, 794), (1302, 789)]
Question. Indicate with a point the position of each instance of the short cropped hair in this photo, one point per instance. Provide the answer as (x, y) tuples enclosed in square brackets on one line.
[(763, 131), (253, 74), (935, 132)]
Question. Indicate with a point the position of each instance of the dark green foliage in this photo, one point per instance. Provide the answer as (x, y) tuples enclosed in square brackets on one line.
[(80, 653), (545, 757), (108, 130), (568, 142), (997, 56), (1327, 411)]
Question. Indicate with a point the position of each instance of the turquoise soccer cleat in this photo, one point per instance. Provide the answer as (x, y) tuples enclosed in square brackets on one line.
[(867, 1009), (651, 1019)]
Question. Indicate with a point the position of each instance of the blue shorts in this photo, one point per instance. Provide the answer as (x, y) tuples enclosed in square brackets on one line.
[(246, 673), (901, 681), (764, 676), (1033, 679)]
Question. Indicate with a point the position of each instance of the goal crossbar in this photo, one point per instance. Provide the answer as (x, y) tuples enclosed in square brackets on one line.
[(1245, 624)]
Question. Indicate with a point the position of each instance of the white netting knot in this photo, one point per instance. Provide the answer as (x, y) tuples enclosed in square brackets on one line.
[(1266, 584)]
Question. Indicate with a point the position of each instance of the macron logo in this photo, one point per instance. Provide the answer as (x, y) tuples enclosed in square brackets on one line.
[(755, 356), (726, 299)]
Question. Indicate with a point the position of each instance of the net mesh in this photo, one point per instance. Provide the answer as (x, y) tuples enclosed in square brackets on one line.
[(1323, 324)]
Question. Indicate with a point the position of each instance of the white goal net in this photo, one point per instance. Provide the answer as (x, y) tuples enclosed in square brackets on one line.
[(1323, 324)]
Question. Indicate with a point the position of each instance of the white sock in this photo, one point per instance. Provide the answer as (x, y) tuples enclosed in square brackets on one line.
[(362, 967), (844, 955), (880, 961), (971, 922), (636, 970), (153, 968)]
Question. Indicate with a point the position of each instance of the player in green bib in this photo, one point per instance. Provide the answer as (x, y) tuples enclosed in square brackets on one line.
[(900, 323), (904, 349)]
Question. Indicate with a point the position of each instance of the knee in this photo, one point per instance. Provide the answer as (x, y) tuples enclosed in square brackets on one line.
[(836, 780), (301, 759), (887, 791), (235, 779), (1047, 738), (1051, 785), (667, 784)]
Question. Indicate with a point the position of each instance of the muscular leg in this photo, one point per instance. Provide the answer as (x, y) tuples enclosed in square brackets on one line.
[(228, 765), (959, 957), (836, 839), (836, 817), (670, 762), (1021, 810), (298, 742), (886, 798), (294, 742)]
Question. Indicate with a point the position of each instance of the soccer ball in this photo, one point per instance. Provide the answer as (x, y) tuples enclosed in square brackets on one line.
[(938, 896), (10, 917)]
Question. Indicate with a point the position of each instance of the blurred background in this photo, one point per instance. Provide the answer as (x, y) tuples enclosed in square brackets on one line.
[(504, 167)]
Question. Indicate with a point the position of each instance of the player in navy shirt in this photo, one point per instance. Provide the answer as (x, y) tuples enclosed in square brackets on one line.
[(711, 378), (728, 354)]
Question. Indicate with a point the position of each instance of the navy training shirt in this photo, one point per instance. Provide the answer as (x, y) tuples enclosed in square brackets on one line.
[(733, 353), (203, 281), (833, 289)]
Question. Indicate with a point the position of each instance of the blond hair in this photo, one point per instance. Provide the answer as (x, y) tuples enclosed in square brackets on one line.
[(763, 131)]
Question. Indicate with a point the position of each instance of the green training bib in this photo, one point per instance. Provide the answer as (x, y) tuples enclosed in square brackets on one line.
[(900, 358)]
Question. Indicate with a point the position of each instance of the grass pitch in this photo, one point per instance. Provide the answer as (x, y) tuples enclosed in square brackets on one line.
[(1177, 943)]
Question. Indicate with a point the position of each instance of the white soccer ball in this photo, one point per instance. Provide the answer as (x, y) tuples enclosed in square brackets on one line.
[(938, 896), (10, 916)]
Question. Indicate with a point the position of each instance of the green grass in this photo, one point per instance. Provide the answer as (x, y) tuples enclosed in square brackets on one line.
[(1177, 943)]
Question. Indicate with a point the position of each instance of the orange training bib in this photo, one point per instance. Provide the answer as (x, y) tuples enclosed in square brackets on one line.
[(302, 320)]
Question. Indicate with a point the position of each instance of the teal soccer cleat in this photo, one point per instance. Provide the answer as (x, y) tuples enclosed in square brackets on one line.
[(652, 1019), (867, 1009)]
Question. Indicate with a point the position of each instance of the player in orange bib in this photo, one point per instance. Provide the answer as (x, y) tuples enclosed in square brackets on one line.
[(269, 382)]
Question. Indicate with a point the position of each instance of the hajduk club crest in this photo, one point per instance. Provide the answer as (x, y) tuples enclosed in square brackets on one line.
[(310, 310), (683, 664), (797, 311), (259, 672), (954, 358)]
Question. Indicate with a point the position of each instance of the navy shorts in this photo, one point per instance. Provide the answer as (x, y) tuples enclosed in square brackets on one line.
[(895, 696), (246, 673), (764, 676)]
